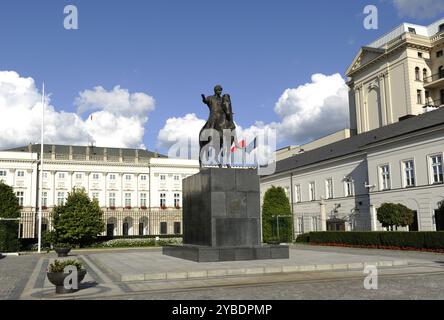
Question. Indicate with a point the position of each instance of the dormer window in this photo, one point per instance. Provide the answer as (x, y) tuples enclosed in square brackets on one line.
[(412, 30), (441, 27)]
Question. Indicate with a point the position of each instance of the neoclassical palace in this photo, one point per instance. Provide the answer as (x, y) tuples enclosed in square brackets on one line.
[(396, 148), (139, 191)]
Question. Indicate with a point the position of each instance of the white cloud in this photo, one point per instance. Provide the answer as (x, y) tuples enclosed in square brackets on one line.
[(118, 117), (313, 110), (419, 9), (307, 112)]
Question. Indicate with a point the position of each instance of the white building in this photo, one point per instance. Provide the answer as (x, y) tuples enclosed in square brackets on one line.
[(139, 191), (395, 153)]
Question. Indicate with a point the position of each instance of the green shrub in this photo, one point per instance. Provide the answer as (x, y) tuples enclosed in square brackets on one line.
[(9, 208), (128, 243), (276, 203), (79, 220), (418, 240), (392, 215), (303, 238), (59, 265)]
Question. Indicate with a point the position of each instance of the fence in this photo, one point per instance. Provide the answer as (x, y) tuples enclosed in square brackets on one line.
[(118, 222)]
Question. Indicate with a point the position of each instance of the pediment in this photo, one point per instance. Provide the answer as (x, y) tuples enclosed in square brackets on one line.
[(364, 56)]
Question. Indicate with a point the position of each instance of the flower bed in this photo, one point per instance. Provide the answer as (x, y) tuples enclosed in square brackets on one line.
[(128, 243)]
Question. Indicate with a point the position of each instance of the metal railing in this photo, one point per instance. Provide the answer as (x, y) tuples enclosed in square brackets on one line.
[(434, 77)]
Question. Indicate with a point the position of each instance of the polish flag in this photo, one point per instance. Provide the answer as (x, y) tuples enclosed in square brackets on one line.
[(241, 145)]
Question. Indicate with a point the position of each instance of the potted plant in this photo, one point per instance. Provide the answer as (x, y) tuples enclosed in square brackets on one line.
[(143, 207), (56, 274), (163, 207), (62, 249), (112, 208), (273, 240), (127, 207)]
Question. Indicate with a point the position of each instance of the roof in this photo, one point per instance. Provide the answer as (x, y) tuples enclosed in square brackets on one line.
[(357, 143), (81, 150)]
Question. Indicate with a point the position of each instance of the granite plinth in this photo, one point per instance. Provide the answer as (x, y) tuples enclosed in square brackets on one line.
[(235, 253), (221, 218)]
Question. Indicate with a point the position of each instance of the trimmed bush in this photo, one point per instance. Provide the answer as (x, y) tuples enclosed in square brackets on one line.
[(9, 208), (400, 239), (135, 242), (303, 238), (394, 215), (277, 203)]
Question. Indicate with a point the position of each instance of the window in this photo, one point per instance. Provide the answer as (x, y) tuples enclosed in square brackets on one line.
[(45, 175), (312, 191), (95, 176), (143, 199), (424, 74), (349, 188), (163, 200), (2, 173), (162, 177), (112, 199), (78, 176), (163, 228), (177, 228), (60, 198), (20, 173), (417, 77), (44, 198), (385, 177), (61, 175), (314, 223), (297, 193), (127, 199), (112, 176), (439, 53), (441, 27), (409, 173), (20, 196), (301, 225), (128, 177), (143, 178), (329, 188), (419, 96), (176, 200), (419, 54), (95, 195), (176, 178), (412, 30), (436, 166)]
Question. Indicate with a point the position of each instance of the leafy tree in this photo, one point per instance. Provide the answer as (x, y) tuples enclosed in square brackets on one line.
[(79, 220), (9, 208), (394, 215), (439, 216), (276, 203)]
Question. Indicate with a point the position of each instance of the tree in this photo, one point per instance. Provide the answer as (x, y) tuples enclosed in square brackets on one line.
[(276, 212), (9, 208), (79, 220), (394, 215), (439, 216)]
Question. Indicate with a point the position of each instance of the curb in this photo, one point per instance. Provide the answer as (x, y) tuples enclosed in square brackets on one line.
[(217, 273)]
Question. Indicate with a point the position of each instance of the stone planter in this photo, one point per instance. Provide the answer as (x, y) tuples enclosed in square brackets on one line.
[(58, 278), (62, 252)]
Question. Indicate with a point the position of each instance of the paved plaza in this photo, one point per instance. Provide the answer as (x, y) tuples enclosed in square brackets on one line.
[(147, 274)]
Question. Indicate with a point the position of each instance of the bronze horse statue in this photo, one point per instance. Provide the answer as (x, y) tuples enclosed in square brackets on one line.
[(220, 120)]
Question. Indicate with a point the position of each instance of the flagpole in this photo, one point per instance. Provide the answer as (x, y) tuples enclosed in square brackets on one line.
[(41, 171)]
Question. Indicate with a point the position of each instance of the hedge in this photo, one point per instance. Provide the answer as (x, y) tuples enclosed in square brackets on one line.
[(401, 239)]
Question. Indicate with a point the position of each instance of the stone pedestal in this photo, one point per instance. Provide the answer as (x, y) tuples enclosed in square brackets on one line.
[(221, 218)]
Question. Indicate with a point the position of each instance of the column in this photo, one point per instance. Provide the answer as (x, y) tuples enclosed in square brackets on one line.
[(381, 78), (373, 218), (359, 126), (323, 216)]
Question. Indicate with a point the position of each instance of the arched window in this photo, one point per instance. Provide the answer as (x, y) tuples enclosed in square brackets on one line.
[(424, 74), (441, 72), (417, 77)]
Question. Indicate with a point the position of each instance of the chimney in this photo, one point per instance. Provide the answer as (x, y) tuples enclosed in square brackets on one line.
[(87, 152), (70, 153), (137, 155), (53, 152), (105, 154), (30, 147)]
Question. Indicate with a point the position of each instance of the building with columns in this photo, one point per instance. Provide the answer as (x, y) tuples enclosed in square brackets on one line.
[(396, 148), (396, 76), (139, 191)]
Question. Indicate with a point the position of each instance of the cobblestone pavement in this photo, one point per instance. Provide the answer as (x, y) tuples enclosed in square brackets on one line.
[(14, 274)]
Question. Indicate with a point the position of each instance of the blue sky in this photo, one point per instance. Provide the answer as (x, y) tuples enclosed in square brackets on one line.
[(175, 50)]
